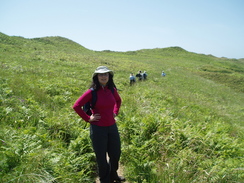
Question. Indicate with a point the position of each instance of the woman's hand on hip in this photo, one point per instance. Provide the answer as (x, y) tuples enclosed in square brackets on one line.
[(94, 117)]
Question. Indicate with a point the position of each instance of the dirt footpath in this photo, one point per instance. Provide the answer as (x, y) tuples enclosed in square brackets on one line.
[(120, 173)]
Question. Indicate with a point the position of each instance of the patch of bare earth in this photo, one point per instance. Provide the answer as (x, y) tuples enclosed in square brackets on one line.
[(120, 173)]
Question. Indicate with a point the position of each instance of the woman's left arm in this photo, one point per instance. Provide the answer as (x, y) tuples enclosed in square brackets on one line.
[(118, 102)]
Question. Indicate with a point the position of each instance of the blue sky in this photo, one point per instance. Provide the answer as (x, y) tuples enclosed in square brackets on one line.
[(213, 27)]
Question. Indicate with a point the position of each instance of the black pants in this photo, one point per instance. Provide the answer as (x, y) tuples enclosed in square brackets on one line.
[(106, 141), (132, 82)]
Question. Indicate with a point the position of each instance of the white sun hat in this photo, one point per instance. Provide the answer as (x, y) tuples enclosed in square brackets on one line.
[(102, 69)]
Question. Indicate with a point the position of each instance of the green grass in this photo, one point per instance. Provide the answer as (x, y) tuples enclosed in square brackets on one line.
[(185, 127)]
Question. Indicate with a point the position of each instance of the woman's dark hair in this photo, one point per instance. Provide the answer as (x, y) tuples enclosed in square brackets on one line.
[(96, 85)]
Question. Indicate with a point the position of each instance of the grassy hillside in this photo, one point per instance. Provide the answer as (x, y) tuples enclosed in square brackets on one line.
[(185, 127)]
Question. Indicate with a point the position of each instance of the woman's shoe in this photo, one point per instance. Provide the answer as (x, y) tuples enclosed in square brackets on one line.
[(119, 179)]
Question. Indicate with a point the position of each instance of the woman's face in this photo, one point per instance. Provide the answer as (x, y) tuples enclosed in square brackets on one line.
[(103, 78)]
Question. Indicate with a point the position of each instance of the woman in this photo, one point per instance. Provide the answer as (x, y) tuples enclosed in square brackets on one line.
[(103, 129)]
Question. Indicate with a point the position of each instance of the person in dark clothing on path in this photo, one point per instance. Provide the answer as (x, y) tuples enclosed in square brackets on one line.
[(103, 129), (139, 76), (145, 75), (132, 79)]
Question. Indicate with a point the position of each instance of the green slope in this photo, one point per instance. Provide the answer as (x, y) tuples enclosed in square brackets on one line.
[(187, 126)]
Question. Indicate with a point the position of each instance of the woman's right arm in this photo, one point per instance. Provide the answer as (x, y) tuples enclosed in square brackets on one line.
[(80, 102)]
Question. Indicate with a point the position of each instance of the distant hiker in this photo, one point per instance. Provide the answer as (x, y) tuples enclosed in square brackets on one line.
[(145, 75), (132, 79), (103, 129), (139, 75), (163, 74)]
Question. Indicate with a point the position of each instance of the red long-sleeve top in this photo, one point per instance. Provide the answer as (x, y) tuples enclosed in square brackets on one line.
[(107, 105)]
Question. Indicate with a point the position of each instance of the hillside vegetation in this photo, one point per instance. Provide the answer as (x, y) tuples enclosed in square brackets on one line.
[(185, 127)]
